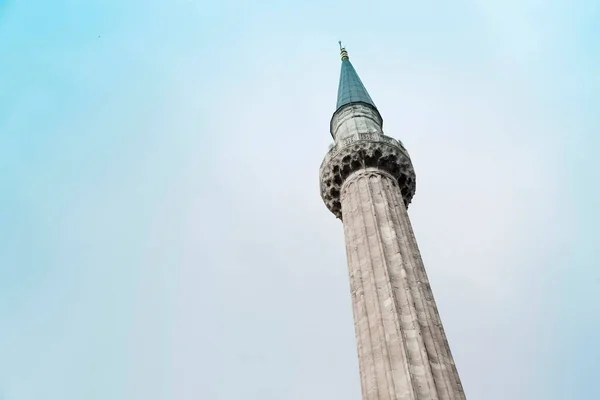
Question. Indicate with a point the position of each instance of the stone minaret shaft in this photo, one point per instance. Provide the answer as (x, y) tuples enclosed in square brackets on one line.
[(367, 180)]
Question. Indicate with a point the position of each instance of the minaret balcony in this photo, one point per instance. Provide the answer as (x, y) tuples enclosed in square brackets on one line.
[(362, 151)]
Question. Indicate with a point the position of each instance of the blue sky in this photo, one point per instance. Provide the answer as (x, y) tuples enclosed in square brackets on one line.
[(162, 235)]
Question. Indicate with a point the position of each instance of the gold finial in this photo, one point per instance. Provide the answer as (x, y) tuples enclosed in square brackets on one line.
[(343, 51)]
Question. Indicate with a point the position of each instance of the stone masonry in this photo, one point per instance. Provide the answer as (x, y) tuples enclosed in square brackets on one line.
[(367, 180)]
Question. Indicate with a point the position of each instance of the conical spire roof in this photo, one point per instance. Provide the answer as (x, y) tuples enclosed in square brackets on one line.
[(351, 89)]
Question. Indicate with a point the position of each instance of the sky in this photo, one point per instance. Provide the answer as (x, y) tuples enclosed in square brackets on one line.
[(161, 230)]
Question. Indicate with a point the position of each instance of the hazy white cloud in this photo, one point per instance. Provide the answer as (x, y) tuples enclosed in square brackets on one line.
[(274, 272), (185, 251)]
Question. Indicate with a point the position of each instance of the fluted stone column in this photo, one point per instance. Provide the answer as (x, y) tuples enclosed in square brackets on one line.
[(367, 180), (403, 351)]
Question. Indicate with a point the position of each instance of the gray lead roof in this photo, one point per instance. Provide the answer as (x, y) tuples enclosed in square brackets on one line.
[(351, 89)]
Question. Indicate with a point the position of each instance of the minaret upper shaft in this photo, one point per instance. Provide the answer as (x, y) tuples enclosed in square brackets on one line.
[(356, 112), (357, 128)]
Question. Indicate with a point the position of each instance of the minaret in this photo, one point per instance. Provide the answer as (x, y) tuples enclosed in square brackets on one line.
[(368, 181)]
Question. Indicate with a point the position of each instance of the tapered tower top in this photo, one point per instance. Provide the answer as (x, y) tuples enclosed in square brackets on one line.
[(359, 143), (350, 89)]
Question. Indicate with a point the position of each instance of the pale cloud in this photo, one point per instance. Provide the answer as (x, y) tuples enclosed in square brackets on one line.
[(192, 256), (484, 195)]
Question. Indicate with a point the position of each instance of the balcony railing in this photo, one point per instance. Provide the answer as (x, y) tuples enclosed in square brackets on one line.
[(371, 137)]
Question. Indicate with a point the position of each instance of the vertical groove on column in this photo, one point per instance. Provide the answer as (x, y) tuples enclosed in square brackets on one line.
[(446, 378), (362, 316), (363, 357), (426, 388), (393, 313), (436, 355), (446, 361), (369, 268), (428, 348), (356, 307), (402, 298), (380, 273)]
